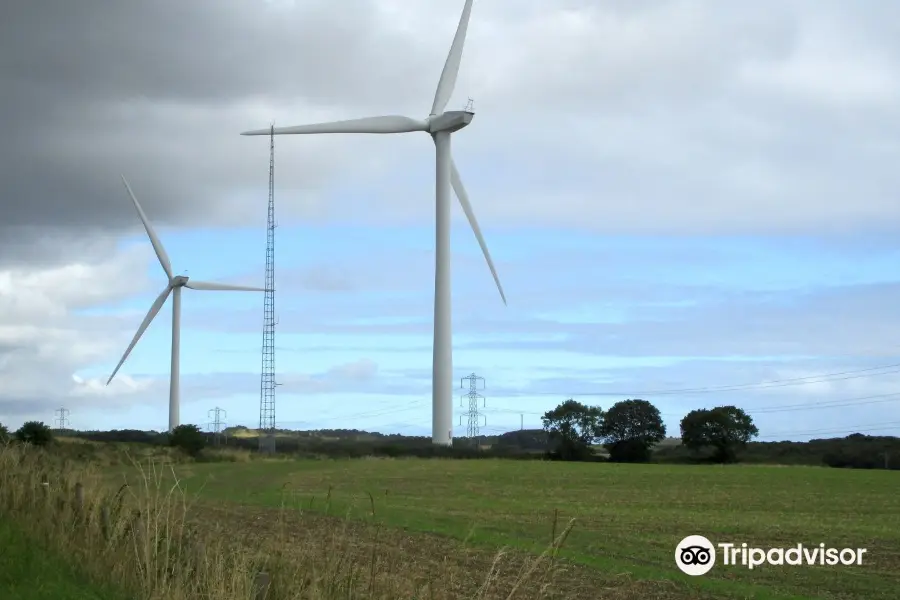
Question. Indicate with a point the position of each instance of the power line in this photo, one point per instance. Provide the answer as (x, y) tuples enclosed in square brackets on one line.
[(413, 404), (859, 400), (474, 417), (836, 403), (216, 425), (776, 383), (765, 409), (772, 383), (863, 428), (267, 378), (883, 426), (62, 418), (777, 408), (868, 372)]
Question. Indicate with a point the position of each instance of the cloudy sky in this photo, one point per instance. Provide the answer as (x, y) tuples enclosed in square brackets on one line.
[(686, 200)]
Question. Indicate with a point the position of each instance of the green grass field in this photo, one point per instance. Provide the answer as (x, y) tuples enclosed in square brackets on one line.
[(31, 573), (629, 517)]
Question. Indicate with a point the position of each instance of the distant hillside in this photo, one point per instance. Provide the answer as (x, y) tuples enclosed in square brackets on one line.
[(239, 431), (526, 439), (669, 441), (535, 439)]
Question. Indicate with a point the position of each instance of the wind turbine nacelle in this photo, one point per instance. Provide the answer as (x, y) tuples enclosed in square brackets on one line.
[(450, 121), (179, 281)]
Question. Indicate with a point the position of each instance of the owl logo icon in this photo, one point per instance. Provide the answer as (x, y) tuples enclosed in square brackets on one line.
[(695, 555)]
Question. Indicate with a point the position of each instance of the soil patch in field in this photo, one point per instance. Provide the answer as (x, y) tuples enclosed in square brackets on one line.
[(452, 569)]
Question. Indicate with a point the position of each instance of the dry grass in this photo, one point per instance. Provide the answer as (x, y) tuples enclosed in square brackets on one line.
[(153, 543)]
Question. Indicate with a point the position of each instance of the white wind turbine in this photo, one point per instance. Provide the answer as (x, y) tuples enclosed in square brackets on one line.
[(439, 124), (173, 286)]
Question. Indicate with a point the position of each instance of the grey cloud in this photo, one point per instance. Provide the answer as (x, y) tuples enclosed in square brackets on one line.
[(611, 48), (203, 52), (160, 93), (45, 338), (655, 114), (41, 247), (36, 374), (48, 383)]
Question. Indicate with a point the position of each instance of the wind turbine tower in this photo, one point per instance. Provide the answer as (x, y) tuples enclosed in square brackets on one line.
[(267, 379), (440, 125)]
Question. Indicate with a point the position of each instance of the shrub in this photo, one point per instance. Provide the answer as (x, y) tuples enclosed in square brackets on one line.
[(188, 438), (35, 433)]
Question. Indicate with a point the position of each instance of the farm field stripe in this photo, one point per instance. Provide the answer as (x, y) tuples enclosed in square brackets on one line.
[(31, 572)]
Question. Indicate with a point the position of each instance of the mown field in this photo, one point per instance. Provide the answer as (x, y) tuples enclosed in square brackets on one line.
[(629, 518)]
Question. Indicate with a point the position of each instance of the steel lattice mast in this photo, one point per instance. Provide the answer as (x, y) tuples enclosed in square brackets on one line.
[(267, 379), (474, 416)]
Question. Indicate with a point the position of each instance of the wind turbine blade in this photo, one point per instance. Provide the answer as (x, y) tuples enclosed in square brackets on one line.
[(388, 124), (451, 66), (157, 245), (457, 184), (203, 285), (151, 314)]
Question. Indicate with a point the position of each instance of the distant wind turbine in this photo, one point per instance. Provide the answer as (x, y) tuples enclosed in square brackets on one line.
[(439, 124), (174, 285)]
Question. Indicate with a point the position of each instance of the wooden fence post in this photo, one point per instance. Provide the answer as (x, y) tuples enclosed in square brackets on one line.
[(261, 585), (45, 487), (200, 557), (105, 526), (79, 498), (140, 537)]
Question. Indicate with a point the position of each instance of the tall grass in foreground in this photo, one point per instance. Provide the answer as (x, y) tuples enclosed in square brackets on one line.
[(149, 541)]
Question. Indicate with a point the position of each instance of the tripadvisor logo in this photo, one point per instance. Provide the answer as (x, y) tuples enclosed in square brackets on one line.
[(696, 555)]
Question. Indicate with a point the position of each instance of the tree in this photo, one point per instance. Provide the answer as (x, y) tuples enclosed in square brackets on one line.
[(630, 428), (34, 433), (4, 434), (724, 428), (188, 438), (572, 427)]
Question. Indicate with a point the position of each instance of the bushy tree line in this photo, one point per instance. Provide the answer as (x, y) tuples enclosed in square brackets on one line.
[(631, 428), (629, 431), (35, 433), (856, 451), (185, 437)]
